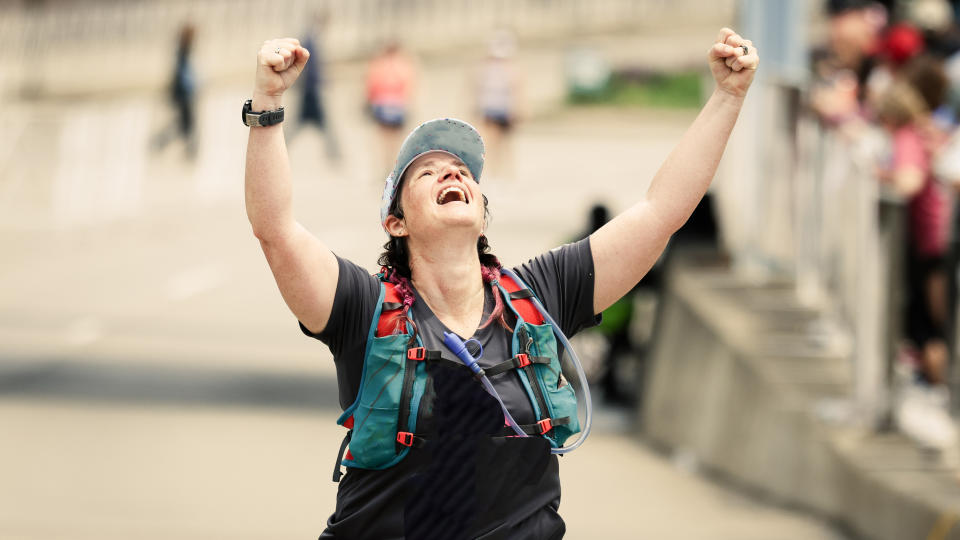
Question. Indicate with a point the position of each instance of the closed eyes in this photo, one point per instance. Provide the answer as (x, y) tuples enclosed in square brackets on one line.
[(428, 172)]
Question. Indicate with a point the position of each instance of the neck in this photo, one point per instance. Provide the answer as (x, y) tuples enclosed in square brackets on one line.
[(448, 278)]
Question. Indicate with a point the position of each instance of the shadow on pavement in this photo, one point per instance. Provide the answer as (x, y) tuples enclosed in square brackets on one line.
[(164, 385)]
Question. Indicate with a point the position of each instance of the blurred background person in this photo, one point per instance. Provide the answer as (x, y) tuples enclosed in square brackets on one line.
[(842, 66), (391, 84), (499, 100), (898, 45), (904, 113), (183, 89), (853, 31), (313, 110)]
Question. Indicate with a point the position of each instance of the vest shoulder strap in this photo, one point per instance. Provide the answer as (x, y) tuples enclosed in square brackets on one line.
[(390, 311), (520, 299)]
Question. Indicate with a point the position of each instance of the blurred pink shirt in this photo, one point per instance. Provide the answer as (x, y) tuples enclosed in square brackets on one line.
[(930, 207), (390, 80)]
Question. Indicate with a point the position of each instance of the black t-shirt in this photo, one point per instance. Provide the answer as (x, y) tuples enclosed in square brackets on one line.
[(463, 483)]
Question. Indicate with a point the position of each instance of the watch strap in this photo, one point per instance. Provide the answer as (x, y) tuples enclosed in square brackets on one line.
[(262, 118)]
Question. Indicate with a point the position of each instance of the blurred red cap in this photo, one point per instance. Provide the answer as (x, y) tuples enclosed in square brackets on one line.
[(901, 42)]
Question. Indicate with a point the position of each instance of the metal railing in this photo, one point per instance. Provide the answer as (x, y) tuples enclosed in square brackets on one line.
[(800, 201), (810, 209)]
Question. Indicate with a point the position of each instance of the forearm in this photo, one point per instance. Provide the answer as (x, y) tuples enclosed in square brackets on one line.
[(268, 183), (628, 246), (686, 174)]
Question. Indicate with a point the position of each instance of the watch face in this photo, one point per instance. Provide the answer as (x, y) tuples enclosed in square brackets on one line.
[(244, 110)]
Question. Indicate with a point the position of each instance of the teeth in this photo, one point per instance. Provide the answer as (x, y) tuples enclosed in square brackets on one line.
[(452, 189)]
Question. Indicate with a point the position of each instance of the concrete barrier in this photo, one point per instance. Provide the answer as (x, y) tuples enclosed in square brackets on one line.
[(742, 378)]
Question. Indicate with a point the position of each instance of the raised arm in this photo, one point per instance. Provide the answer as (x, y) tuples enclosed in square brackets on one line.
[(305, 269), (627, 247)]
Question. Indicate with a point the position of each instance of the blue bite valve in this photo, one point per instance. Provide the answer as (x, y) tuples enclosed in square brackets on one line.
[(459, 348)]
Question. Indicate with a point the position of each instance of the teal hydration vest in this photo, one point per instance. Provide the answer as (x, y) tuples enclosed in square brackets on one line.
[(383, 419)]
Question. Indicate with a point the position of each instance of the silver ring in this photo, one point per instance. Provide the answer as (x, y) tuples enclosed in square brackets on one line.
[(746, 51), (277, 50)]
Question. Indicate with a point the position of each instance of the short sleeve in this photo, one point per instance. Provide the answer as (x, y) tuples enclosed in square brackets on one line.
[(563, 279), (354, 304)]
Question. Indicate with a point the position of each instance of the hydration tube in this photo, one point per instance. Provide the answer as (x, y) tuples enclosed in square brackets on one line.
[(584, 385), (459, 348), (455, 344)]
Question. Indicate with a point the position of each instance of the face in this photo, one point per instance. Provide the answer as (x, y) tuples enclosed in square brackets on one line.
[(438, 194)]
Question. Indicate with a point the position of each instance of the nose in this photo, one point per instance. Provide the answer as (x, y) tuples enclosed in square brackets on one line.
[(451, 172)]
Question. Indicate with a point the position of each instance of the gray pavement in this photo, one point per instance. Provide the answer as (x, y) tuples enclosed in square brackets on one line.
[(153, 384)]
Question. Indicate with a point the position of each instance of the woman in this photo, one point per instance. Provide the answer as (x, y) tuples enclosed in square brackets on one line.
[(499, 98), (453, 476), (391, 85)]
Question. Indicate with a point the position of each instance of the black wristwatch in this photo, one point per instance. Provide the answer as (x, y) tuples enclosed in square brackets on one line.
[(260, 119)]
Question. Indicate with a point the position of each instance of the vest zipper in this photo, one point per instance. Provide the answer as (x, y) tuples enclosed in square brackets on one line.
[(526, 341)]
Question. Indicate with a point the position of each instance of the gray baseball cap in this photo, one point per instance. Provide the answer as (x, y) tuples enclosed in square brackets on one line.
[(449, 135)]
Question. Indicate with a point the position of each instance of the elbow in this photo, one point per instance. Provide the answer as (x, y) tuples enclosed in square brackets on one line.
[(668, 221), (672, 227), (268, 226), (258, 227), (258, 232), (265, 232)]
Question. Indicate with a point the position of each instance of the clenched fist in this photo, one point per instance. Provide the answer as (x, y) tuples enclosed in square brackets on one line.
[(279, 63), (733, 62)]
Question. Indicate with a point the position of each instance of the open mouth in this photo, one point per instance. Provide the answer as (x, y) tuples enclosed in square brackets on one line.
[(452, 194)]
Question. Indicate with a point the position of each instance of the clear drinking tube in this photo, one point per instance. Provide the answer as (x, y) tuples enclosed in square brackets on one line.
[(584, 385), (457, 346)]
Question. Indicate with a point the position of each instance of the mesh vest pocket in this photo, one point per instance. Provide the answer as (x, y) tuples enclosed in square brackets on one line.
[(561, 402), (373, 444)]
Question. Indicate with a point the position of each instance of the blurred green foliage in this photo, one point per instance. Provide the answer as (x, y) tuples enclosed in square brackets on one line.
[(668, 90)]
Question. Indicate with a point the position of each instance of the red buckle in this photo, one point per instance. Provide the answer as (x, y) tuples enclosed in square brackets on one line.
[(523, 360), (417, 353), (545, 425), (405, 438)]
